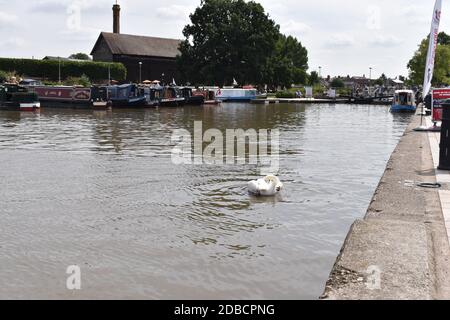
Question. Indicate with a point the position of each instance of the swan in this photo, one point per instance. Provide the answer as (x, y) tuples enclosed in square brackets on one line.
[(267, 187)]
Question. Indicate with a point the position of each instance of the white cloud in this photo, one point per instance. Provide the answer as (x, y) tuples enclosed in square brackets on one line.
[(8, 19), (174, 11), (295, 28), (13, 43), (373, 18), (385, 41), (49, 6), (61, 6), (83, 34), (415, 14), (339, 35), (339, 40)]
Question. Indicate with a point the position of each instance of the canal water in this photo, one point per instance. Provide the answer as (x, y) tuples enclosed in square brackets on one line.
[(98, 190)]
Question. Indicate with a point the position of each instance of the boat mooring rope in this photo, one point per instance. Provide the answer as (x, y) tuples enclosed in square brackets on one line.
[(430, 185)]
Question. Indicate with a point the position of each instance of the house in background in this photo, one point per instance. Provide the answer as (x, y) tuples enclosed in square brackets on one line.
[(145, 58), (51, 58), (356, 82)]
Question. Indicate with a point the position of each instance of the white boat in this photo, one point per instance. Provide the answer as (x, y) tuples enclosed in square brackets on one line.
[(30, 106), (237, 95), (404, 101)]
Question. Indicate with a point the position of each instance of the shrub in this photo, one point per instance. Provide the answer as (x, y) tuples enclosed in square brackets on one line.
[(285, 95), (344, 91), (318, 89), (337, 83), (49, 69), (78, 81), (12, 76), (3, 76), (80, 56)]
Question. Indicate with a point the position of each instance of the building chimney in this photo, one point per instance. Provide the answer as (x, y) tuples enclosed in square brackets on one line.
[(116, 16)]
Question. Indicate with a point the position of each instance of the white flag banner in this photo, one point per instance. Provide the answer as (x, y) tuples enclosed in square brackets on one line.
[(308, 92), (431, 56)]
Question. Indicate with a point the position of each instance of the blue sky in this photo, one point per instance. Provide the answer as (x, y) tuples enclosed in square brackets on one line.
[(344, 37)]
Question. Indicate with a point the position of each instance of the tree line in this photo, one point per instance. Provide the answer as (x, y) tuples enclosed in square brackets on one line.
[(235, 40), (416, 65)]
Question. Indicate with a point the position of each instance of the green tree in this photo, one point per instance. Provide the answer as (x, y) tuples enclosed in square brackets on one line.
[(277, 72), (80, 56), (337, 83), (3, 76), (227, 39), (288, 64), (416, 65), (381, 80), (314, 78), (443, 38)]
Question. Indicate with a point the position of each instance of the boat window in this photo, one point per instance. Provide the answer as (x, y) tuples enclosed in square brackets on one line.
[(250, 93), (403, 98)]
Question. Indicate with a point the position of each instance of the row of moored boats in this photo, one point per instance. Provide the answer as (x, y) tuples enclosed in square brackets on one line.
[(32, 97)]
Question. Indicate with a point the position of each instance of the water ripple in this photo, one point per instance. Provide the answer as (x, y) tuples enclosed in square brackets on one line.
[(99, 189)]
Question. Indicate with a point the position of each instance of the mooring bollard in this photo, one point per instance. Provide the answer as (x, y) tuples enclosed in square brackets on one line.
[(444, 155)]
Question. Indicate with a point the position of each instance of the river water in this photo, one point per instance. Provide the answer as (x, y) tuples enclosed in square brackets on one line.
[(98, 190)]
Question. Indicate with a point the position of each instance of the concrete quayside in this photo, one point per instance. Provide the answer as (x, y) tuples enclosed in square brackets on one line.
[(319, 101), (400, 250)]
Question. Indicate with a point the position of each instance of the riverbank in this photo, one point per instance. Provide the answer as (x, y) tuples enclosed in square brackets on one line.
[(316, 101), (400, 250)]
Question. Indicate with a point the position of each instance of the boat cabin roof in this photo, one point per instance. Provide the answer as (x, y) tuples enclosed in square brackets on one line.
[(404, 91), (126, 86)]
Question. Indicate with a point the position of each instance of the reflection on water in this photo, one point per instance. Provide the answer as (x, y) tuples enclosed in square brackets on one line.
[(99, 190)]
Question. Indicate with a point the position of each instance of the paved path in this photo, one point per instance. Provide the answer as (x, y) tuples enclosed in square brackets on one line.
[(400, 250), (441, 176)]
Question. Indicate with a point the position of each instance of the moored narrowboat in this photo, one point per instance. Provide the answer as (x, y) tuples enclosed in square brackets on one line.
[(191, 98), (151, 94), (210, 97), (404, 101), (126, 96), (99, 97), (237, 95), (69, 97), (17, 98), (170, 97)]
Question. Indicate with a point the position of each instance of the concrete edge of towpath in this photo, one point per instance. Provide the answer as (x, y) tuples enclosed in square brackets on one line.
[(400, 250)]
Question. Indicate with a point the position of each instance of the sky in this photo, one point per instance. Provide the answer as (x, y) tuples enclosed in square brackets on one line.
[(346, 37)]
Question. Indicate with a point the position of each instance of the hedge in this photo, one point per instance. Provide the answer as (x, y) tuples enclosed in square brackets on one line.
[(285, 95), (49, 69)]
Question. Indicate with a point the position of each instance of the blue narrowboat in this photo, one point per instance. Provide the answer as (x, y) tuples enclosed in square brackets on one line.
[(404, 101), (126, 96)]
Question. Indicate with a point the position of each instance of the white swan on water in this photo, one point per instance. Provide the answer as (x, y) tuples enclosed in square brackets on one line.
[(267, 187)]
